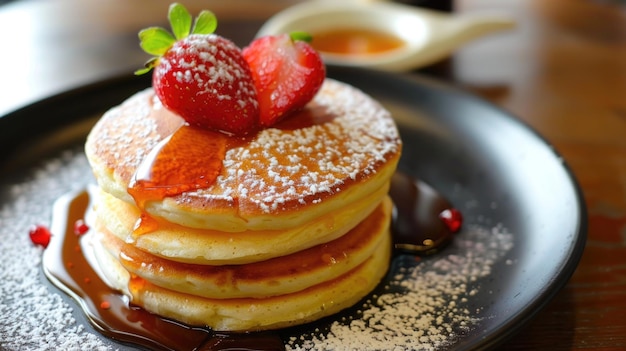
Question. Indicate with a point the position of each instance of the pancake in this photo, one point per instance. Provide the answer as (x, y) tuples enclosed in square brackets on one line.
[(335, 152), (278, 276), (251, 314), (201, 246)]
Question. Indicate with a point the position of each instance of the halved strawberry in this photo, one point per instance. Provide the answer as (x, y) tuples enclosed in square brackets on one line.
[(201, 76), (287, 74)]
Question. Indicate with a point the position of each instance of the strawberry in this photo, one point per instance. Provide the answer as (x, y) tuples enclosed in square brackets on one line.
[(287, 74), (205, 79), (201, 76)]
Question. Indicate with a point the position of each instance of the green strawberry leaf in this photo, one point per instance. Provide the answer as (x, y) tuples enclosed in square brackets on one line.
[(142, 71), (301, 36), (180, 20), (155, 40), (147, 66), (206, 23)]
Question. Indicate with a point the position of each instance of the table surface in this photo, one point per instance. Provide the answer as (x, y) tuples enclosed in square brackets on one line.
[(562, 71)]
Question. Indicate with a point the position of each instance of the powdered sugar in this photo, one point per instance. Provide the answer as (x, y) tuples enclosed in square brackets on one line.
[(32, 315), (424, 305), (363, 130)]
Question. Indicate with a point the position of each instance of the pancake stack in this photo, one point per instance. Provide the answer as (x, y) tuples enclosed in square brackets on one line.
[(294, 228)]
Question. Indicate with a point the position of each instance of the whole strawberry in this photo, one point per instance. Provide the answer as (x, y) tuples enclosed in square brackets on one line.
[(287, 73), (201, 76)]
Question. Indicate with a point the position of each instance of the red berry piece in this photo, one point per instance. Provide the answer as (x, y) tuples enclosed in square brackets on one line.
[(40, 235), (452, 218), (199, 75), (80, 227), (287, 72)]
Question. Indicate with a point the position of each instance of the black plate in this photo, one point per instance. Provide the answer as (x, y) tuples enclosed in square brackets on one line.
[(490, 165)]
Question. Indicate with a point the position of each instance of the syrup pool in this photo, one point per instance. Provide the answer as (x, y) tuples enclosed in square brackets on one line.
[(423, 220), (417, 228), (67, 267)]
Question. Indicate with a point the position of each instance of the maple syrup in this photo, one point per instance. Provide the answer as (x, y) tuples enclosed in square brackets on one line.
[(189, 159), (355, 41)]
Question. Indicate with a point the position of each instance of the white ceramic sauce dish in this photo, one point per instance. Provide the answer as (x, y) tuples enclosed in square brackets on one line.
[(427, 35)]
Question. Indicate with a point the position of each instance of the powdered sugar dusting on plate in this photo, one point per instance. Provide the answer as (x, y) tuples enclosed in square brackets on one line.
[(425, 304), (33, 316)]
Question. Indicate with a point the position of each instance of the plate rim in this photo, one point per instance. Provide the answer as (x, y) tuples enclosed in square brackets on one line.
[(524, 317)]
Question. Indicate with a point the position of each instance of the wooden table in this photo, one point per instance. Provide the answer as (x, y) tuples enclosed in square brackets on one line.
[(562, 70)]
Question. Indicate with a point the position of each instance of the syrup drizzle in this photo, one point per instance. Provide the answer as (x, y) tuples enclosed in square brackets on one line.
[(189, 159), (416, 221)]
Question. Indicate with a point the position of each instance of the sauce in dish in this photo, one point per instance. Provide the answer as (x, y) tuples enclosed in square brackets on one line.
[(355, 41), (423, 222)]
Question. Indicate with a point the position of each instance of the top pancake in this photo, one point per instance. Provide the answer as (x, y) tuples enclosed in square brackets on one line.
[(304, 167)]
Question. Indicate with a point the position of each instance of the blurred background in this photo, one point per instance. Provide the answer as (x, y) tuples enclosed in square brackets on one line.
[(562, 70)]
